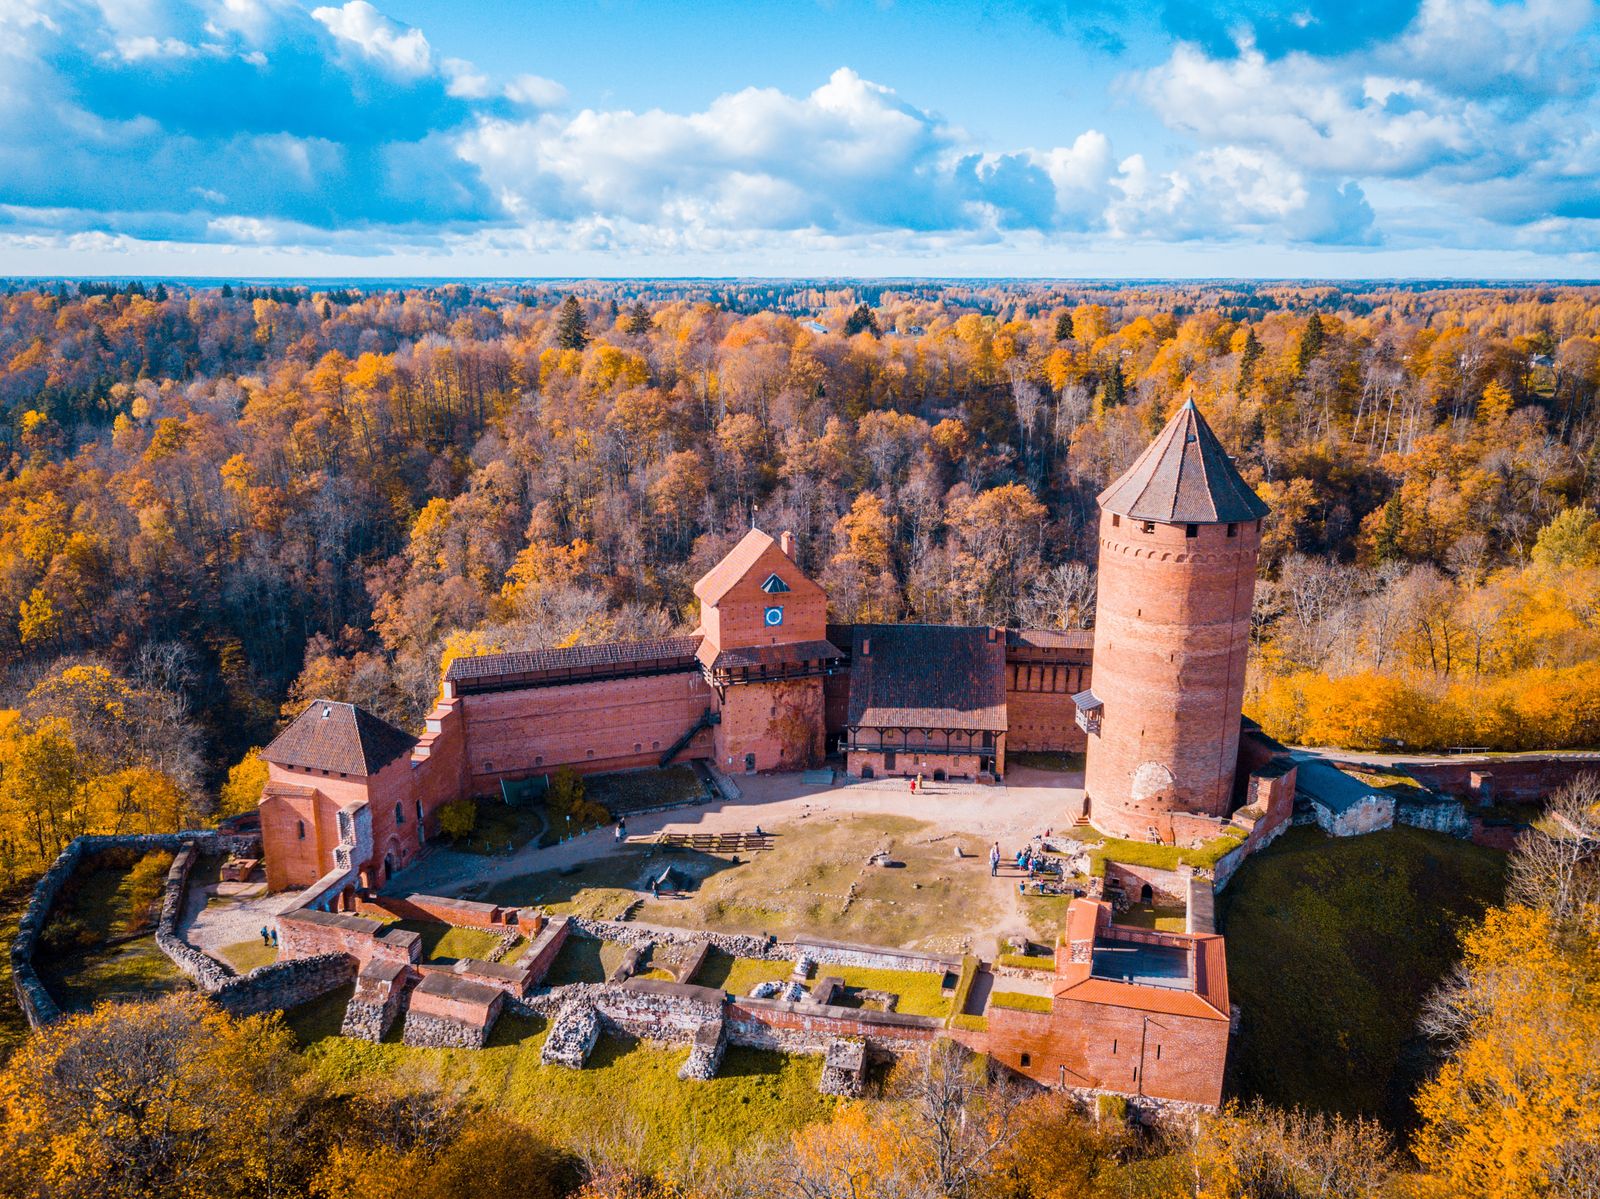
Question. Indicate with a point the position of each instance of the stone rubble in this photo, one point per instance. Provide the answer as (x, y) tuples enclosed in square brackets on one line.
[(572, 1036)]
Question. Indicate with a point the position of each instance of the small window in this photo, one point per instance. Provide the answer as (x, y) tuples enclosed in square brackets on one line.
[(655, 745), (1027, 1060), (589, 753), (1191, 530), (638, 747), (538, 760), (1113, 1046), (1147, 526), (399, 813), (1233, 529), (300, 829), (487, 767), (1116, 521), (774, 585), (420, 817), (1158, 1053)]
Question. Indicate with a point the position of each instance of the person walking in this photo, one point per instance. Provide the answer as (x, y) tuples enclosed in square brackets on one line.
[(994, 861), (265, 938)]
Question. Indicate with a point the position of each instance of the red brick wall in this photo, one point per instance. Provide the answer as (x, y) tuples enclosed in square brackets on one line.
[(906, 765), (1172, 627), (299, 938), (293, 860), (462, 912), (1510, 778), (1039, 711), (1112, 1048), (781, 723), (590, 726)]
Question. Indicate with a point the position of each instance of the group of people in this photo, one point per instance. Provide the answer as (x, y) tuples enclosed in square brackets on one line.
[(269, 937), (1030, 860)]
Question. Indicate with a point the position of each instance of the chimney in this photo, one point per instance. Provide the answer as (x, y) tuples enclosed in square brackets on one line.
[(866, 647), (786, 543)]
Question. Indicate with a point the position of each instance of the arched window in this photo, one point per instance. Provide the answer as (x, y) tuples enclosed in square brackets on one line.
[(399, 814)]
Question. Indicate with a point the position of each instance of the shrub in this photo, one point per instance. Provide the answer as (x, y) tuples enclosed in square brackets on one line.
[(1113, 1109), (458, 818)]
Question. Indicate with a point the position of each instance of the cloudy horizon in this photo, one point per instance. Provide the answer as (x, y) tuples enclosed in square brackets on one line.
[(1447, 139)]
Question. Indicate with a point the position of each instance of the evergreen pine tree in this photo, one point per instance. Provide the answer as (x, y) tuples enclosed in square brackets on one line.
[(1310, 342), (1386, 545), (639, 321), (1247, 362), (1064, 326), (572, 330), (160, 293), (861, 321), (1115, 388)]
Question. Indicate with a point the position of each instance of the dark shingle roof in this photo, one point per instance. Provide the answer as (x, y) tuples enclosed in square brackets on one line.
[(577, 657), (927, 676), (782, 654), (1184, 477), (338, 738)]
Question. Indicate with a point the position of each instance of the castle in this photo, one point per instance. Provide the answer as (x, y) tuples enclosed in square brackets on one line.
[(766, 683)]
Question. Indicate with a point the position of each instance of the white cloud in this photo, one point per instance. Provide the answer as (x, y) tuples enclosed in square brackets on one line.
[(535, 91), (403, 48)]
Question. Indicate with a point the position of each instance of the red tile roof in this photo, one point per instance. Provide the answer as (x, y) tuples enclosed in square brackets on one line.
[(340, 739), (1050, 638), (722, 577), (1184, 476)]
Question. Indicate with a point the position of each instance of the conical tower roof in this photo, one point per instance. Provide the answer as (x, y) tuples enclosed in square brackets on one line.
[(1184, 477)]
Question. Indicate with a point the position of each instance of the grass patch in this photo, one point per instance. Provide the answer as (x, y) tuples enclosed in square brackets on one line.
[(919, 990), (632, 790), (131, 971), (248, 955), (448, 943), (628, 1094), (958, 1001), (501, 827), (1148, 915), (1018, 1002), (1163, 857), (970, 1023), (1026, 961), (738, 976), (1063, 763), (585, 960), (1332, 945), (1394, 782)]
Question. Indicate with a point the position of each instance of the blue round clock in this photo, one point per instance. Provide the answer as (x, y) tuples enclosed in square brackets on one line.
[(774, 616)]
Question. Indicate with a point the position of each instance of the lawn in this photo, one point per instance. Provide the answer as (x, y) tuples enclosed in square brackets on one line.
[(133, 970), (447, 943), (633, 790), (1060, 763), (248, 955), (109, 901), (919, 990), (629, 1092), (501, 827), (1148, 915), (1332, 945), (815, 880), (584, 960), (1163, 857)]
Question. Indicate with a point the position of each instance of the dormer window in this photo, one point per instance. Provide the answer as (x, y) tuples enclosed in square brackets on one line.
[(774, 585)]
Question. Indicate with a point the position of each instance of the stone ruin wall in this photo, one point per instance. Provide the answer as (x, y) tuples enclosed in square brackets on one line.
[(268, 988)]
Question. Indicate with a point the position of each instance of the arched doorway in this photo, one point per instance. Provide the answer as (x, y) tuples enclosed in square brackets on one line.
[(388, 866), (938, 776), (1146, 893)]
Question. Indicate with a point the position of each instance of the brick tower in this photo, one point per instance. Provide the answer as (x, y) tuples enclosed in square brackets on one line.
[(765, 651), (1179, 536)]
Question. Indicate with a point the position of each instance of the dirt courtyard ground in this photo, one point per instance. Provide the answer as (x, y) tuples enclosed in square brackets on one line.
[(818, 878)]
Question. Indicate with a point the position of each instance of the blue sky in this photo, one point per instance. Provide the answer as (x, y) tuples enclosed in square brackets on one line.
[(1363, 138)]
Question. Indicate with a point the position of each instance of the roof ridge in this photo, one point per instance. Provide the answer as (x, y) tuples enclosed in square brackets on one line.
[(1184, 476)]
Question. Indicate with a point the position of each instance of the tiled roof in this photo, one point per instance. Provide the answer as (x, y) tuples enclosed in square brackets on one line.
[(1184, 477), (577, 657), (720, 579), (1050, 638), (339, 738), (927, 676), (784, 653)]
